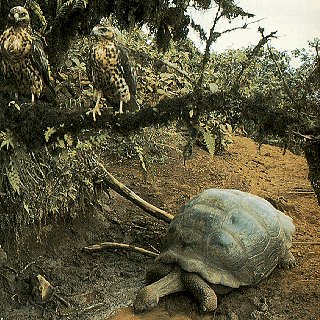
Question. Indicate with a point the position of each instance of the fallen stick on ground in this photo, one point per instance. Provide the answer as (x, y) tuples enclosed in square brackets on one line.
[(306, 242), (76, 312), (114, 245), (130, 195)]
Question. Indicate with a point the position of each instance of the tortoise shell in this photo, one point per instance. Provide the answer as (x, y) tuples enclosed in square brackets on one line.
[(228, 237)]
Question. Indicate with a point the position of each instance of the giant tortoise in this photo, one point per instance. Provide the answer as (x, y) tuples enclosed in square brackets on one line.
[(221, 239)]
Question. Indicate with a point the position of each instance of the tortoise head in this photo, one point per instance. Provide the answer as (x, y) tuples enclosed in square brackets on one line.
[(105, 32), (19, 16)]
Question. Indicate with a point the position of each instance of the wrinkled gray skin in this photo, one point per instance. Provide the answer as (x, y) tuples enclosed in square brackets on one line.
[(221, 239)]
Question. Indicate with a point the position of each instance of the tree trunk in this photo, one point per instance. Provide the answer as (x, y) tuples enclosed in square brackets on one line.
[(312, 154)]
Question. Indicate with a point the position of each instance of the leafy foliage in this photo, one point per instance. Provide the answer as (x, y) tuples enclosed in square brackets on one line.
[(61, 20), (49, 172), (37, 187), (214, 133)]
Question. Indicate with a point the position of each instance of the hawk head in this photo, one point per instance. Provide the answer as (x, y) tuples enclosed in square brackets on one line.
[(100, 31), (19, 16)]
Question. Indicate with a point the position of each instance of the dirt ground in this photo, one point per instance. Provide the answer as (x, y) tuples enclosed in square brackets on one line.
[(103, 285)]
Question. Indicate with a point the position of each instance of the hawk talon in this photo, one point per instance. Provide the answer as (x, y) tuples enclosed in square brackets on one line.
[(96, 108), (94, 111)]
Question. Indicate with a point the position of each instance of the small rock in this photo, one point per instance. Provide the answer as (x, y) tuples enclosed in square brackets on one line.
[(41, 288), (263, 305)]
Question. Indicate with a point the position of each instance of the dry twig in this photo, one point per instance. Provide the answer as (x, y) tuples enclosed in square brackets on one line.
[(113, 245), (83, 310), (134, 198), (306, 242)]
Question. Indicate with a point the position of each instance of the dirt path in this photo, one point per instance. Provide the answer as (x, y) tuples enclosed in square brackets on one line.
[(103, 285)]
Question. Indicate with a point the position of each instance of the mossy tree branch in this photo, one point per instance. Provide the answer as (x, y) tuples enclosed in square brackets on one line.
[(32, 121)]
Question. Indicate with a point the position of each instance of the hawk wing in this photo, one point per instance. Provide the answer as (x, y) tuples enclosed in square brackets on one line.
[(40, 61), (125, 68), (89, 65), (1, 72)]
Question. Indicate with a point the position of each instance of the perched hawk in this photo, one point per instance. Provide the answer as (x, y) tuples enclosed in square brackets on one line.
[(23, 62), (109, 69)]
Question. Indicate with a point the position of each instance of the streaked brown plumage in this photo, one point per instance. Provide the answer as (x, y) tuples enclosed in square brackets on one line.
[(24, 64), (109, 69)]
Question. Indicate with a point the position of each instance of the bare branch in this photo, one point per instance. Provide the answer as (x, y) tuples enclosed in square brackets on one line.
[(113, 245), (182, 72), (244, 26), (134, 198), (213, 36), (253, 54)]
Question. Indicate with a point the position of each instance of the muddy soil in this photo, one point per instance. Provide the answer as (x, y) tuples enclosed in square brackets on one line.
[(103, 285)]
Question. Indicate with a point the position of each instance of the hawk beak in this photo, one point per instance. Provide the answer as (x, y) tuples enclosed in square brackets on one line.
[(94, 32), (16, 16)]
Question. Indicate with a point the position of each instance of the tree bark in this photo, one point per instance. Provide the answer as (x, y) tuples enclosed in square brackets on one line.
[(312, 154)]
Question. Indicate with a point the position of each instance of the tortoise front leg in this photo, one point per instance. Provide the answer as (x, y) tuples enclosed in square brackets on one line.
[(157, 271), (201, 290), (148, 297)]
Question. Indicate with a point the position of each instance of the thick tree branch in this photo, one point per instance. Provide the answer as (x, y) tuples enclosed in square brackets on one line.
[(32, 121)]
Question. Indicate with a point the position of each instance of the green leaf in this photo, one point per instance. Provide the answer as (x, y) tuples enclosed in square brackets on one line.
[(60, 144), (35, 7), (68, 139), (7, 139), (209, 140), (14, 178), (49, 133)]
